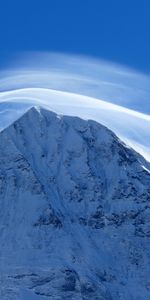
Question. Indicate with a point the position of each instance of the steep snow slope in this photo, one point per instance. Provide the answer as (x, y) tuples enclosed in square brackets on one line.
[(74, 211)]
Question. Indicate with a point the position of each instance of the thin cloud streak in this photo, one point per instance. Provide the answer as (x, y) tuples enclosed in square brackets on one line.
[(86, 76), (110, 94)]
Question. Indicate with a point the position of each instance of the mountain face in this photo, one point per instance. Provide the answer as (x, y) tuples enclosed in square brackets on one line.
[(74, 212)]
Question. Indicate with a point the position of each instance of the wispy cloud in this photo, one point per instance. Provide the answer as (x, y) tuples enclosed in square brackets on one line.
[(115, 96)]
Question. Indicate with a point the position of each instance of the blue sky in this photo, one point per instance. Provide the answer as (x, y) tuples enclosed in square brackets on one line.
[(116, 30)]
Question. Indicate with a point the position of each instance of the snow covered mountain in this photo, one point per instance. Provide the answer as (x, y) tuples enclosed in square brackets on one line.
[(74, 212)]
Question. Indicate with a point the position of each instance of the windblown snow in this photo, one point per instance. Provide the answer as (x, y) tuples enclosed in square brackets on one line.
[(74, 212)]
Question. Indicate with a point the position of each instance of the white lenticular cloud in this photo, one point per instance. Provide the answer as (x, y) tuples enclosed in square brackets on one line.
[(112, 95)]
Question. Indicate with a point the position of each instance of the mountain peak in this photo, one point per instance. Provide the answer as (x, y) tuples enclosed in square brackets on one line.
[(74, 210)]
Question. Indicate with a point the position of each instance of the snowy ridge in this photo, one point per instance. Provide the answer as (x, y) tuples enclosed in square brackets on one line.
[(74, 211), (131, 126)]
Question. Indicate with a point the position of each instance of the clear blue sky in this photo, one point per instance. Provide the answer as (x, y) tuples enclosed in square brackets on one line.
[(117, 30)]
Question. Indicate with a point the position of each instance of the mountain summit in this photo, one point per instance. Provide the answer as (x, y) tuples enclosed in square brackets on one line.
[(74, 212)]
